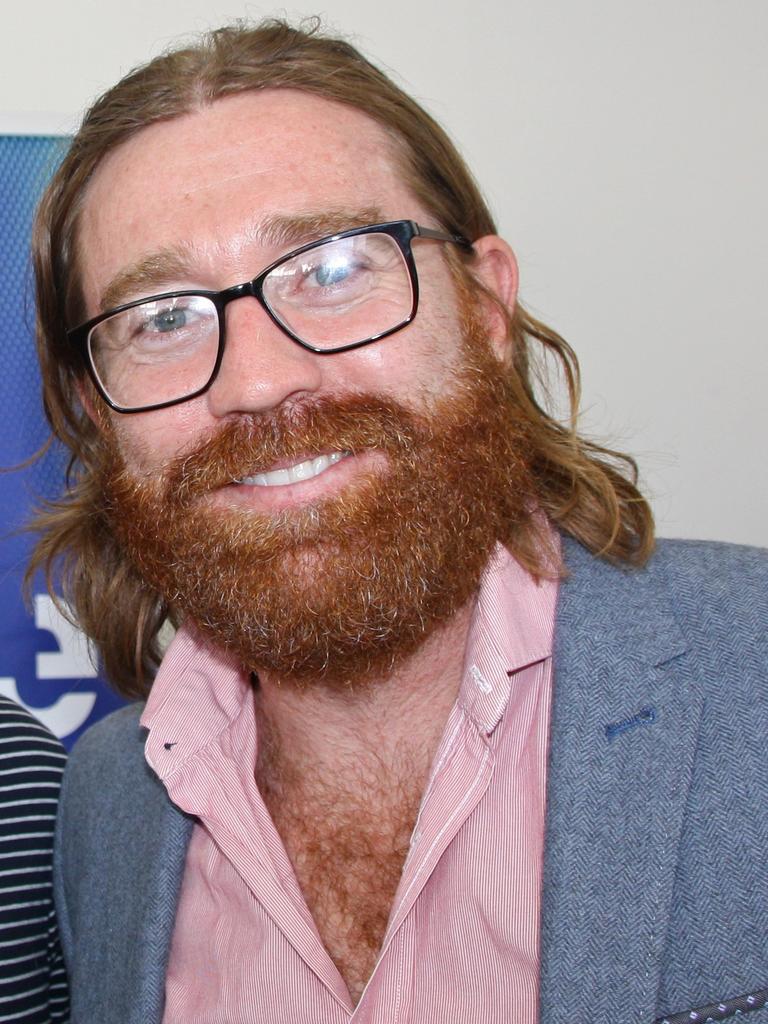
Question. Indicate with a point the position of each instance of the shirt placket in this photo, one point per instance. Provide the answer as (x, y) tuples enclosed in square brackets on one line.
[(462, 772)]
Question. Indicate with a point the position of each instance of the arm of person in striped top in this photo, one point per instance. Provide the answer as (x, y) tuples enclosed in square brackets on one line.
[(33, 984)]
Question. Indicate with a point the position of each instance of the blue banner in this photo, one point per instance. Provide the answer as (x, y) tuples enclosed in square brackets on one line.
[(45, 664)]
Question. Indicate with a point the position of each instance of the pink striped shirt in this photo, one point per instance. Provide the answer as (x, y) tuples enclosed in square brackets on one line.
[(462, 942)]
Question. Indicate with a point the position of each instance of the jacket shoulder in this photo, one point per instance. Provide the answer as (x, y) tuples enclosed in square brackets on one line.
[(107, 778), (713, 565), (118, 733), (719, 594)]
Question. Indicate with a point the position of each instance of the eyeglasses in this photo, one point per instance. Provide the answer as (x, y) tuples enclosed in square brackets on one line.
[(332, 295)]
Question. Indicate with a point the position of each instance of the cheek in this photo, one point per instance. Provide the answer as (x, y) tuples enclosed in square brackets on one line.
[(148, 441), (419, 360)]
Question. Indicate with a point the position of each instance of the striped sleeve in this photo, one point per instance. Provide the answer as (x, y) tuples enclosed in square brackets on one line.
[(33, 988)]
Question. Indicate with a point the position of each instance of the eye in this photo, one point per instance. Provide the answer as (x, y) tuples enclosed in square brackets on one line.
[(332, 272), (336, 277), (167, 324), (168, 320), (328, 271), (175, 318)]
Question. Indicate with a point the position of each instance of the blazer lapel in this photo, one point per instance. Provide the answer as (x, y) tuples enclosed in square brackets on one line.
[(624, 724)]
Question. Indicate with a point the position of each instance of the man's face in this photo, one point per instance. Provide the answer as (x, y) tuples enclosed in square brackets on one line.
[(206, 187), (334, 575)]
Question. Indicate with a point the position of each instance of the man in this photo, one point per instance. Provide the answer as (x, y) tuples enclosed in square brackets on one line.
[(280, 336)]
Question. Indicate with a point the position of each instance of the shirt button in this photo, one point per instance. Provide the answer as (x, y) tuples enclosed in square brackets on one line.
[(479, 679)]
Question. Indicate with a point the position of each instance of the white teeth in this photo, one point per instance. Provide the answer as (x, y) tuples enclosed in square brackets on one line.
[(293, 474)]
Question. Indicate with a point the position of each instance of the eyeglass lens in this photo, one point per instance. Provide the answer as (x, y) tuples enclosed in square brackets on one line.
[(336, 294)]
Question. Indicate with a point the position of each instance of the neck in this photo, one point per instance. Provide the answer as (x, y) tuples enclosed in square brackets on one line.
[(313, 731)]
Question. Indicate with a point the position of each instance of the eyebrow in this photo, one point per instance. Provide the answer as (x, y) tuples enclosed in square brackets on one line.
[(293, 231), (166, 266), (145, 276)]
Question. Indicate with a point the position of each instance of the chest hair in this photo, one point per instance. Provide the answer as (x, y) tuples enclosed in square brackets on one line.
[(347, 838)]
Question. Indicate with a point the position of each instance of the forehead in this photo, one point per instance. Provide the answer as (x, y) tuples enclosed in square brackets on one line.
[(207, 179)]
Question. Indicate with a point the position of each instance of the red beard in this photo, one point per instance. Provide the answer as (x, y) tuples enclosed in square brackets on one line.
[(335, 592)]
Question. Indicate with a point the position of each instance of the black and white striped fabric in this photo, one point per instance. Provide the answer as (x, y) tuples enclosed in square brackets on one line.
[(33, 987)]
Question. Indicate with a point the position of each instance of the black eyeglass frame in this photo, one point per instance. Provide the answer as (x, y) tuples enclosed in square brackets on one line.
[(402, 231)]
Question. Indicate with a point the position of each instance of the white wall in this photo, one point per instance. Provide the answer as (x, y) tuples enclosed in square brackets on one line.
[(625, 152)]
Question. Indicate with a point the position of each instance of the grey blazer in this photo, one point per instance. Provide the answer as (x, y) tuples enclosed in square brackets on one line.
[(655, 901)]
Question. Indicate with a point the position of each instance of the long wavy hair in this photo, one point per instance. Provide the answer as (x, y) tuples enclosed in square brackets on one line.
[(586, 490)]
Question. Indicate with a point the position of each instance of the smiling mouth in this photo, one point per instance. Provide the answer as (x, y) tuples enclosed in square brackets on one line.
[(305, 470)]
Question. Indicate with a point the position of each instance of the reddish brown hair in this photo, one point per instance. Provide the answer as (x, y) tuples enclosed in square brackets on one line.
[(587, 491)]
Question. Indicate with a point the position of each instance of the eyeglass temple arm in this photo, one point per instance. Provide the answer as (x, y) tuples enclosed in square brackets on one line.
[(441, 236)]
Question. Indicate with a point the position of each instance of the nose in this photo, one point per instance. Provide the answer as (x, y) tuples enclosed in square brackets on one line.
[(261, 366)]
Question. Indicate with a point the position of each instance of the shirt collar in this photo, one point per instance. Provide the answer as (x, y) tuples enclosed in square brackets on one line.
[(512, 627), (198, 692), (200, 689)]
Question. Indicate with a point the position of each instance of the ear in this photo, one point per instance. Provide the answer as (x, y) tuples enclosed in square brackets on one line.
[(495, 267), (90, 402)]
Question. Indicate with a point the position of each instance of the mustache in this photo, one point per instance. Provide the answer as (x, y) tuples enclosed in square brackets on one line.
[(255, 443)]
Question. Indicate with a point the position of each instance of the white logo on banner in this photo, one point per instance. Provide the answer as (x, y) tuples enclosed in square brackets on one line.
[(74, 660)]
